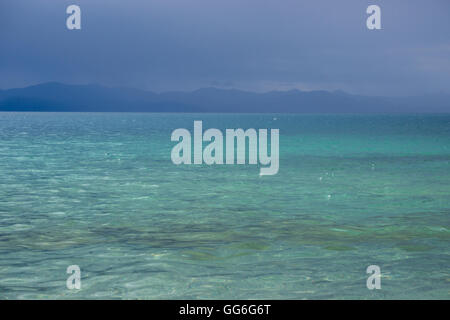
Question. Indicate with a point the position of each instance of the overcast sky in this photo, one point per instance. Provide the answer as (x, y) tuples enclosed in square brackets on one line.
[(256, 45)]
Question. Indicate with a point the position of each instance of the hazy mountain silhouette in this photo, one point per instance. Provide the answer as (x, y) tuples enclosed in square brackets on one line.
[(61, 97)]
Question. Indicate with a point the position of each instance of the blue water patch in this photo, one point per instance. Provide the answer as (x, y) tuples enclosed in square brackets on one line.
[(99, 190)]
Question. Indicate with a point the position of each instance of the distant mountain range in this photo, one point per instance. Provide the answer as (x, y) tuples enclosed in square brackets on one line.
[(61, 97)]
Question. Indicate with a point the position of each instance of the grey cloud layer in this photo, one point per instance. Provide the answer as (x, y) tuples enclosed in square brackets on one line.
[(248, 44)]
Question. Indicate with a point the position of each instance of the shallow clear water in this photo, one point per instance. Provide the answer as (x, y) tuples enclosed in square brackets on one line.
[(100, 191)]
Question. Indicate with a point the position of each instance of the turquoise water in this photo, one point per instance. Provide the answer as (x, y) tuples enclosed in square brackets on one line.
[(100, 191)]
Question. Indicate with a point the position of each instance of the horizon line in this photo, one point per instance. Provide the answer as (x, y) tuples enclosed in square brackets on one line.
[(337, 91)]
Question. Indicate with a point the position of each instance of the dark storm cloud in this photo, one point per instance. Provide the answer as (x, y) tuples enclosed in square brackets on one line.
[(249, 44)]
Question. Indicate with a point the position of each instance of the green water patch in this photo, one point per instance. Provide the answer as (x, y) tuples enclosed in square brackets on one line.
[(415, 247), (201, 256), (254, 245), (235, 234), (339, 248)]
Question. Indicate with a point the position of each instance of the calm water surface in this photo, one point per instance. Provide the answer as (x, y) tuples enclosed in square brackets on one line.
[(100, 191)]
